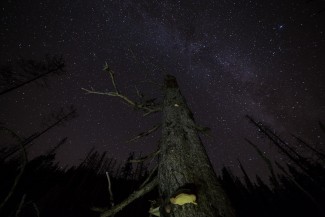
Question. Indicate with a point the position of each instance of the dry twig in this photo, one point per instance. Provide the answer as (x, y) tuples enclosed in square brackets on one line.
[(22, 169), (22, 201), (139, 160), (143, 134), (135, 195), (148, 109), (149, 177), (111, 198)]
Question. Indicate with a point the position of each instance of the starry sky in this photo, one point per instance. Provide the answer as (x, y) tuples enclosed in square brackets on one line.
[(231, 58)]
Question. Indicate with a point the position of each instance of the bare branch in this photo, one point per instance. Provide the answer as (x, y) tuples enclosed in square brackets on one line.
[(111, 198), (22, 169), (22, 201), (135, 195), (152, 111), (291, 178), (149, 177), (36, 209), (147, 109), (205, 130), (140, 95), (145, 157), (38, 70), (143, 134), (111, 73), (116, 94), (61, 118)]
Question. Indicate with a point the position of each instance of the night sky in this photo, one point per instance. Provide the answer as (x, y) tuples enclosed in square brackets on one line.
[(231, 58)]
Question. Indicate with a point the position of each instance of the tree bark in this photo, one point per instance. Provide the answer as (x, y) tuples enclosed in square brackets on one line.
[(183, 162)]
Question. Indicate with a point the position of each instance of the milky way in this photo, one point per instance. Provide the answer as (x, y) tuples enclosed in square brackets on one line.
[(231, 58)]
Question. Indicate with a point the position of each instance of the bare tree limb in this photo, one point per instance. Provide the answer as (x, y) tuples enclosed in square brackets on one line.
[(18, 177), (140, 95), (60, 119), (36, 209), (54, 65), (111, 198), (92, 91), (149, 177), (291, 178), (135, 195), (22, 201), (205, 130), (148, 109), (143, 134), (153, 154), (111, 73)]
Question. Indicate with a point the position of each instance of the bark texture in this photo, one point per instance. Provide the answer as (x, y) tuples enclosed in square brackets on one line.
[(183, 162)]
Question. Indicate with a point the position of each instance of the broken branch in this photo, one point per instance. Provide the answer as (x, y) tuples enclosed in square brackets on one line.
[(143, 134), (145, 157), (111, 73), (111, 198), (135, 195), (149, 177), (148, 109)]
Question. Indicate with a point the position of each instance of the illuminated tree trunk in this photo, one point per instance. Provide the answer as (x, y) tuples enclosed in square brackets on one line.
[(184, 164)]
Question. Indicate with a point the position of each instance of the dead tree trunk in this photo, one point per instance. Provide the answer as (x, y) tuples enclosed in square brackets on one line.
[(184, 164)]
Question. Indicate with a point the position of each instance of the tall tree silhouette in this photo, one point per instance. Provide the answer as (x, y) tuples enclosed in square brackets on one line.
[(188, 185), (56, 118), (28, 71)]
